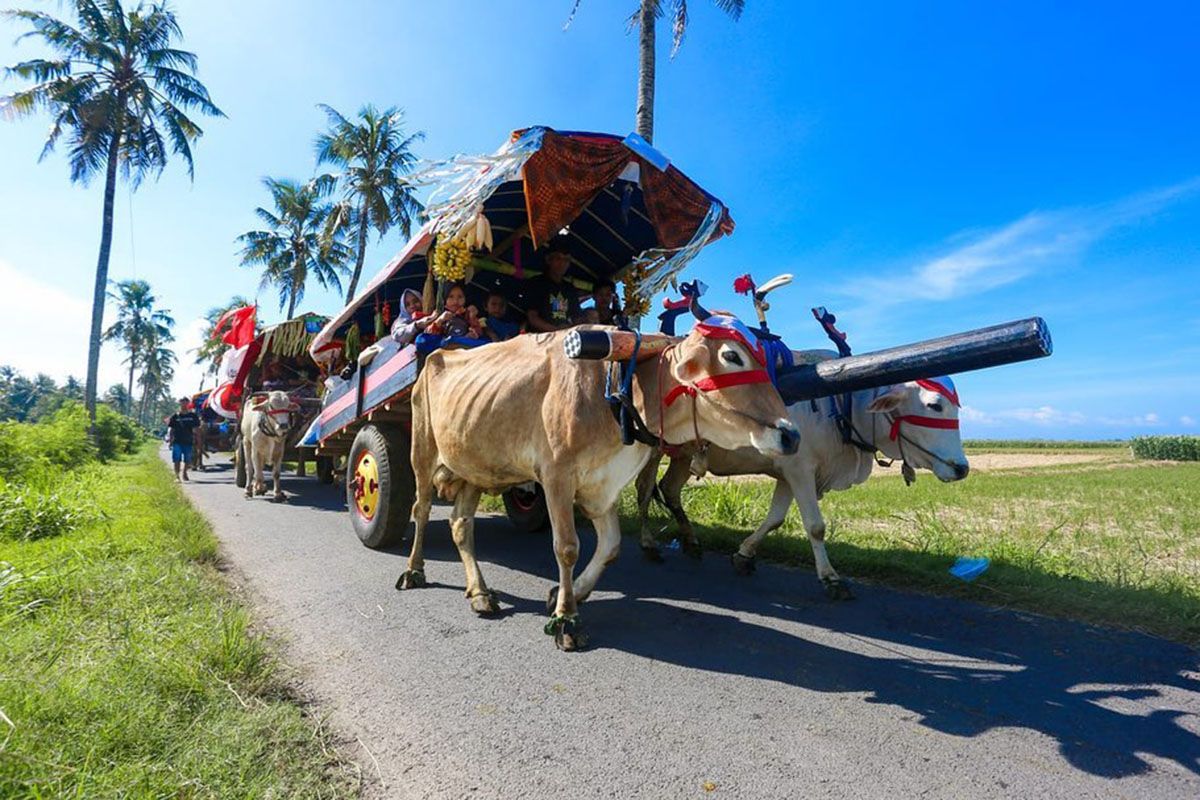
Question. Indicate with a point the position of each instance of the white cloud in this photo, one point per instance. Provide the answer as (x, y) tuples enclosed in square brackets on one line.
[(45, 329), (972, 414), (1187, 422), (188, 374), (1044, 415), (1033, 243)]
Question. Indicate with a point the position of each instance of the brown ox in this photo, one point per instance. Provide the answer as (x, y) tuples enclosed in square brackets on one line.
[(502, 415)]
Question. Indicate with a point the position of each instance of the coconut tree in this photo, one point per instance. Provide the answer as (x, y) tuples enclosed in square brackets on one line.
[(157, 362), (296, 244), (136, 316), (120, 92), (373, 153), (643, 20), (211, 348)]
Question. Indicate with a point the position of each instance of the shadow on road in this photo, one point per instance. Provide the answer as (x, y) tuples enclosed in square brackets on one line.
[(963, 669)]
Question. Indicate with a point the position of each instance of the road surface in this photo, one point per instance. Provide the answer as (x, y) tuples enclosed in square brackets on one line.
[(698, 683)]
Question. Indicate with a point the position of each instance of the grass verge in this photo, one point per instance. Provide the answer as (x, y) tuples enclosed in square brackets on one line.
[(130, 669), (1114, 546)]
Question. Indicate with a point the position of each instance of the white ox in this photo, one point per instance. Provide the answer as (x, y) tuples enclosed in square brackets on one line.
[(915, 423), (266, 423)]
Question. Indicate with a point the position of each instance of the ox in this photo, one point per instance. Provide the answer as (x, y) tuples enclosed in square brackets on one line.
[(266, 423), (915, 423), (499, 416)]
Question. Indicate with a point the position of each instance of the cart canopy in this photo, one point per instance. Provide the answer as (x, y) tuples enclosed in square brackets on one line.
[(626, 211)]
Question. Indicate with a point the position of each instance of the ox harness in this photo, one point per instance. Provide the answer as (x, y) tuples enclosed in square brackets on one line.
[(843, 408), (633, 426)]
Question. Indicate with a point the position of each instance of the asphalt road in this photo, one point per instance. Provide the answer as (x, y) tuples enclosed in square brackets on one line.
[(698, 683)]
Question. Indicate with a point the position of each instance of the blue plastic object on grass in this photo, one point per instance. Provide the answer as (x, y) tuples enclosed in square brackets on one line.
[(673, 544), (968, 569)]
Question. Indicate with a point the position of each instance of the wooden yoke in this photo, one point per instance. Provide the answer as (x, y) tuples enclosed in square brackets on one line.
[(604, 343)]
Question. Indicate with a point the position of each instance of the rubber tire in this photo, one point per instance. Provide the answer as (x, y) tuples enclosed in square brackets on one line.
[(325, 469), (527, 519), (390, 446), (239, 464)]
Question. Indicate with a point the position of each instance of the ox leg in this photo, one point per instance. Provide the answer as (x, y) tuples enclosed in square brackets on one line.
[(814, 525), (671, 486), (248, 465), (260, 470), (462, 529), (646, 485), (278, 495), (608, 547), (743, 559), (564, 624), (424, 461)]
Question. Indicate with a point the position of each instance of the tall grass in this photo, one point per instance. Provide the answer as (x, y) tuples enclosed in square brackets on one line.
[(1166, 448), (130, 670)]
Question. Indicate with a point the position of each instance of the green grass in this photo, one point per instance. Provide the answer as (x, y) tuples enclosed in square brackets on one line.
[(1112, 544), (130, 670)]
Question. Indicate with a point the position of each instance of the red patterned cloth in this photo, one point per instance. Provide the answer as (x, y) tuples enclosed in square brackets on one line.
[(563, 176), (676, 206)]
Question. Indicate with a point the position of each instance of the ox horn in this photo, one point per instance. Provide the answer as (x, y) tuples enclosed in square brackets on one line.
[(698, 311)]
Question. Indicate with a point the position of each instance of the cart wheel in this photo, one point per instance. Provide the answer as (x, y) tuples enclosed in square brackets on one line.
[(239, 464), (380, 487), (325, 469), (526, 509)]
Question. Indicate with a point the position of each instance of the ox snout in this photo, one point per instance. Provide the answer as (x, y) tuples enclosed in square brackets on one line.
[(781, 439), (961, 470), (950, 471)]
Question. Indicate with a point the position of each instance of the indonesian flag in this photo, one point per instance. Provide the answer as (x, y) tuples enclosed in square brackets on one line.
[(240, 322), (226, 398), (722, 326)]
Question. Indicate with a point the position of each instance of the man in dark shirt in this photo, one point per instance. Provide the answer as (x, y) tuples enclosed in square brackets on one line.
[(181, 428), (553, 302)]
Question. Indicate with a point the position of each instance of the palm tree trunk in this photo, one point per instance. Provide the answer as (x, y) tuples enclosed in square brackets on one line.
[(142, 408), (291, 303), (98, 294), (645, 99), (362, 252), (129, 399)]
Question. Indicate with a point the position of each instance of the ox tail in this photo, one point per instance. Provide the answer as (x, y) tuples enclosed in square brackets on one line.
[(659, 497)]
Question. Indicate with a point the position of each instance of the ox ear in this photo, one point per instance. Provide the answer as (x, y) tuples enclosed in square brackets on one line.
[(256, 405), (294, 406), (887, 402)]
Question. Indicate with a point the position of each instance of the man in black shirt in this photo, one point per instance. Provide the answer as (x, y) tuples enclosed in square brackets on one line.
[(181, 429), (553, 302)]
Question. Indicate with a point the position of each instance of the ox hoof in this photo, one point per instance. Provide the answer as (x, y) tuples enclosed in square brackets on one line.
[(411, 579), (568, 633), (742, 565), (837, 589), (485, 603), (279, 497), (552, 600), (691, 548), (652, 554)]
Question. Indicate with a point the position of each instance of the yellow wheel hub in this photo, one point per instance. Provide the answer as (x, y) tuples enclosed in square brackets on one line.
[(366, 486)]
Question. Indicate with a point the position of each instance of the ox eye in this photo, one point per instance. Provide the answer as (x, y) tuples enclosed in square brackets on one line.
[(935, 406), (732, 357)]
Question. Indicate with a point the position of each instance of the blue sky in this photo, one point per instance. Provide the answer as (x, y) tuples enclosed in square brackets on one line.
[(920, 168)]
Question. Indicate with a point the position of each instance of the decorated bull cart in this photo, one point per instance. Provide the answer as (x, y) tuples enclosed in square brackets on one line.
[(278, 358), (627, 215)]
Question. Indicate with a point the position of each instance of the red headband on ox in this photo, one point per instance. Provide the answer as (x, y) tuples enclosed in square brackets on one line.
[(943, 386), (720, 326)]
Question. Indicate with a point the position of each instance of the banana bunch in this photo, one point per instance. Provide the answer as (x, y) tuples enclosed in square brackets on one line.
[(478, 233), (353, 344), (633, 303), (451, 259)]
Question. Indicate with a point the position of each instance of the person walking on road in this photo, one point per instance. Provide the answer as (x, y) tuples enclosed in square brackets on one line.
[(181, 429)]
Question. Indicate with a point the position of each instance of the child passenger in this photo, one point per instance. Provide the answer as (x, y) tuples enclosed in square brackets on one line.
[(494, 325), (409, 322), (457, 318)]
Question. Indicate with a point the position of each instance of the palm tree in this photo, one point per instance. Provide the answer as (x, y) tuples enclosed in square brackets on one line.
[(157, 363), (117, 398), (211, 349), (372, 153), (293, 246), (643, 20), (120, 90), (136, 315)]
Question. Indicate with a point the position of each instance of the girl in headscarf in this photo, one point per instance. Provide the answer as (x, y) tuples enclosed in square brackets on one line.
[(409, 322)]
